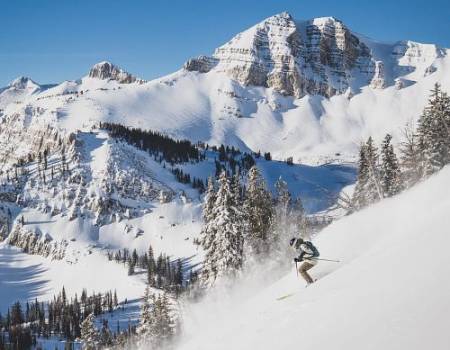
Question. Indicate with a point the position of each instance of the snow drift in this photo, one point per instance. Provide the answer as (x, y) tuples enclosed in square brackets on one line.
[(390, 290)]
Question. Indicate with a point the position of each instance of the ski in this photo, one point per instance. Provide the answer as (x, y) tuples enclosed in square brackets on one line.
[(285, 296)]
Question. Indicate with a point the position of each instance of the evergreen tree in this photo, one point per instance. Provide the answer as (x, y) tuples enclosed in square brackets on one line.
[(390, 172), (17, 316), (208, 230), (178, 278), (144, 330), (258, 212), (63, 162), (151, 267), (106, 338), (434, 131), (237, 204), (89, 334), (163, 326), (368, 189), (373, 190), (412, 158), (224, 255), (130, 267), (156, 326)]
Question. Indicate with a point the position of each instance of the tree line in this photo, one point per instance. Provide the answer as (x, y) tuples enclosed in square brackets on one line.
[(165, 149), (162, 273), (173, 151), (424, 150), (23, 324), (158, 323)]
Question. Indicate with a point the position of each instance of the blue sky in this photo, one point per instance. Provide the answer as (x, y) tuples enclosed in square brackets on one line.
[(55, 40)]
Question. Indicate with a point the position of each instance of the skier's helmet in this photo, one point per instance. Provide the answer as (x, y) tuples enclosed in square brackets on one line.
[(295, 242)]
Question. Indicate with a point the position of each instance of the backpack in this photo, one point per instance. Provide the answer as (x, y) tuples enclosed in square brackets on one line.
[(311, 246)]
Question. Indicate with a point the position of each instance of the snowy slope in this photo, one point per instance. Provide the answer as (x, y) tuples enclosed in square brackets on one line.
[(377, 88), (389, 292), (348, 87), (109, 201), (25, 277), (18, 90)]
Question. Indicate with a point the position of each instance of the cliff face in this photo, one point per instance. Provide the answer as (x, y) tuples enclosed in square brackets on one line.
[(108, 71), (313, 57), (320, 56), (214, 100)]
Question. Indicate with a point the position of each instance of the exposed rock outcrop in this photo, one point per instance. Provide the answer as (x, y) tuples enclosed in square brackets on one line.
[(202, 64), (378, 81), (108, 71), (319, 56), (293, 58), (22, 83)]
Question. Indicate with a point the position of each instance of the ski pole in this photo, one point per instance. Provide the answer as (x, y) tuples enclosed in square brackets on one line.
[(336, 261), (296, 268)]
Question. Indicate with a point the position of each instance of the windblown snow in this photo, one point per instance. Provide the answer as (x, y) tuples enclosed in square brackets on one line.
[(389, 290)]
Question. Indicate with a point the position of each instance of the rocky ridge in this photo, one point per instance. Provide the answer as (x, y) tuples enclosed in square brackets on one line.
[(108, 71), (319, 57)]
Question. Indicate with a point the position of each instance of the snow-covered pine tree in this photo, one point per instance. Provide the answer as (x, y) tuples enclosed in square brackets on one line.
[(237, 203), (156, 326), (163, 327), (89, 334), (208, 231), (130, 267), (425, 130), (368, 189), (390, 172), (434, 131), (144, 330), (374, 191), (412, 160), (259, 213), (224, 255), (236, 189)]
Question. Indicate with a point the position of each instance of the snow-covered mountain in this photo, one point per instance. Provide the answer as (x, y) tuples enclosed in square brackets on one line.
[(106, 70), (320, 57), (311, 90), (18, 90)]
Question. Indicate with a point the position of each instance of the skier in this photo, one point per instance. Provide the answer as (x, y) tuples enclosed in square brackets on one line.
[(308, 253)]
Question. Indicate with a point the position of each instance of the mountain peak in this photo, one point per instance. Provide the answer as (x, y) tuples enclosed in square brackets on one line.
[(316, 56), (22, 83), (294, 58), (107, 71), (325, 20), (282, 15)]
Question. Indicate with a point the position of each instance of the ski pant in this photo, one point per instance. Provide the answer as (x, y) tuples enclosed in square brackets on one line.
[(303, 271)]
